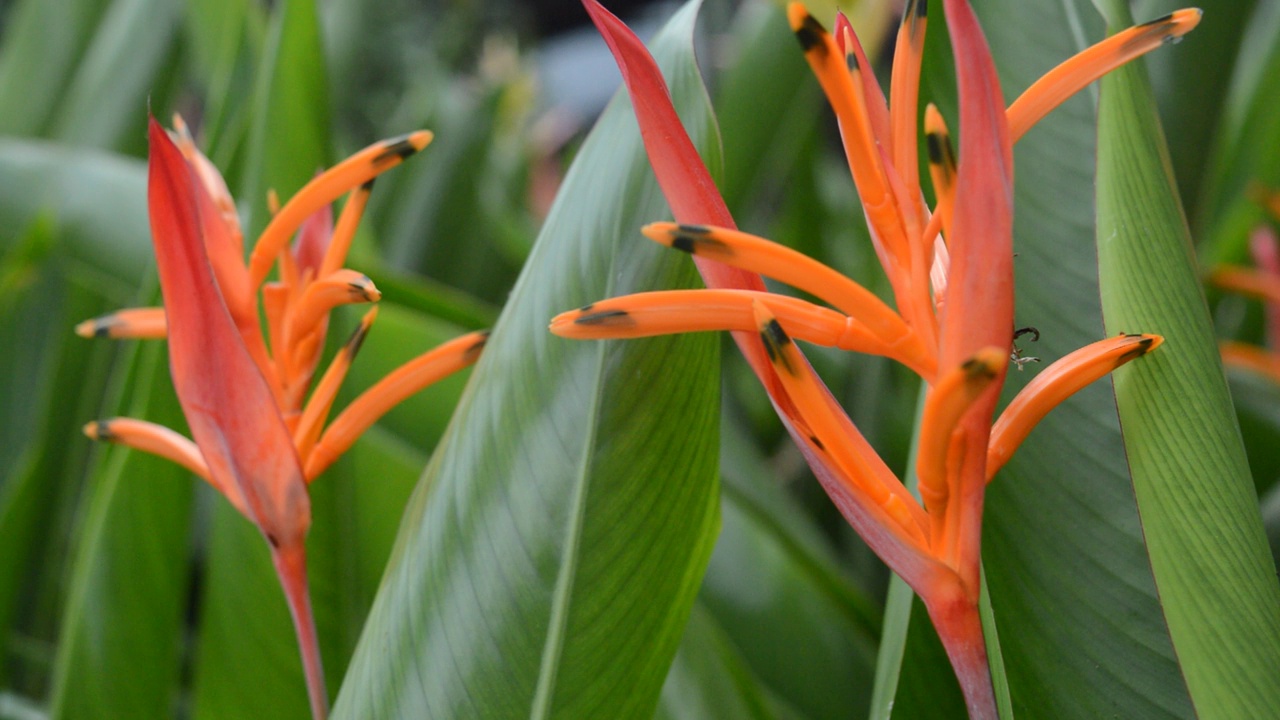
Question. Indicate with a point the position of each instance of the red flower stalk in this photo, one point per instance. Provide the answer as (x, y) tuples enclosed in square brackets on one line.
[(951, 271), (255, 439)]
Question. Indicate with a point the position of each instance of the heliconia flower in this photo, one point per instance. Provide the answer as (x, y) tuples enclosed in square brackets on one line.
[(258, 436), (950, 269), (1261, 282)]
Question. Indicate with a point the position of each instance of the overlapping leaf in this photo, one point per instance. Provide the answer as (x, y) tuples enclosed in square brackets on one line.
[(549, 559)]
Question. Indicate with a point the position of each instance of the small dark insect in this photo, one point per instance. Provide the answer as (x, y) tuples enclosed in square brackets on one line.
[(1016, 356)]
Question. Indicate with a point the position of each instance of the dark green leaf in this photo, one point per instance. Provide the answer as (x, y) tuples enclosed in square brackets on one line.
[(119, 649)]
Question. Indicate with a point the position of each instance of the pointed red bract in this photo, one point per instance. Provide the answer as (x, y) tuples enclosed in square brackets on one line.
[(227, 402)]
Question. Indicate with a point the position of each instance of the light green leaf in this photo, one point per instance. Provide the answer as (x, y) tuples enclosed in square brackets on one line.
[(44, 41), (289, 135), (549, 559), (117, 80), (1200, 518)]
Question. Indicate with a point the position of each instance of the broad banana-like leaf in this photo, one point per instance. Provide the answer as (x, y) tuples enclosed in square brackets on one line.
[(547, 564), (1198, 507)]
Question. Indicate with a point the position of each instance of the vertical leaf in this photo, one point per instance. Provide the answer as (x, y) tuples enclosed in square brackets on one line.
[(1199, 512), (121, 636), (289, 137), (549, 559)]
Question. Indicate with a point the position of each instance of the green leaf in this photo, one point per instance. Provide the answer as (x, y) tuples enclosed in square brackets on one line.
[(1068, 580), (1208, 552), (1191, 85), (709, 679), (43, 42), (106, 99), (289, 137), (59, 382), (1244, 146), (549, 559), (119, 648), (97, 199), (779, 594)]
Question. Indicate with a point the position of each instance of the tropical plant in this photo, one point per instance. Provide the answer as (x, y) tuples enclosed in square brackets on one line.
[(624, 528)]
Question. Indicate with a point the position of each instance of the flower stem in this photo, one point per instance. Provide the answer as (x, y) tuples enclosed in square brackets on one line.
[(291, 567), (955, 615)]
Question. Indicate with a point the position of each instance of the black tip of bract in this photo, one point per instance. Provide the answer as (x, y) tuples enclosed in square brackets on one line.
[(818, 443), (922, 8), (810, 33), (934, 145), (356, 340), (104, 433), (1163, 19), (775, 339), (1142, 347), (367, 186), (470, 353), (101, 327), (399, 147), (361, 288), (975, 368), (683, 243), (612, 318)]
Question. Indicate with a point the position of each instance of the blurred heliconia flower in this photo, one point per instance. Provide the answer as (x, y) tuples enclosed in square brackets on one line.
[(951, 271), (258, 436), (1261, 282)]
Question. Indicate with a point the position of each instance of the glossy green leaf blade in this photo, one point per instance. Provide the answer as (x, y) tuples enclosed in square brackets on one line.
[(44, 40), (98, 201), (549, 559), (289, 135), (119, 77), (1199, 512), (120, 644)]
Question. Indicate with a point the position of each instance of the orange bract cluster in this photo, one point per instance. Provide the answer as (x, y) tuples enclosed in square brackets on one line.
[(257, 424), (296, 309)]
